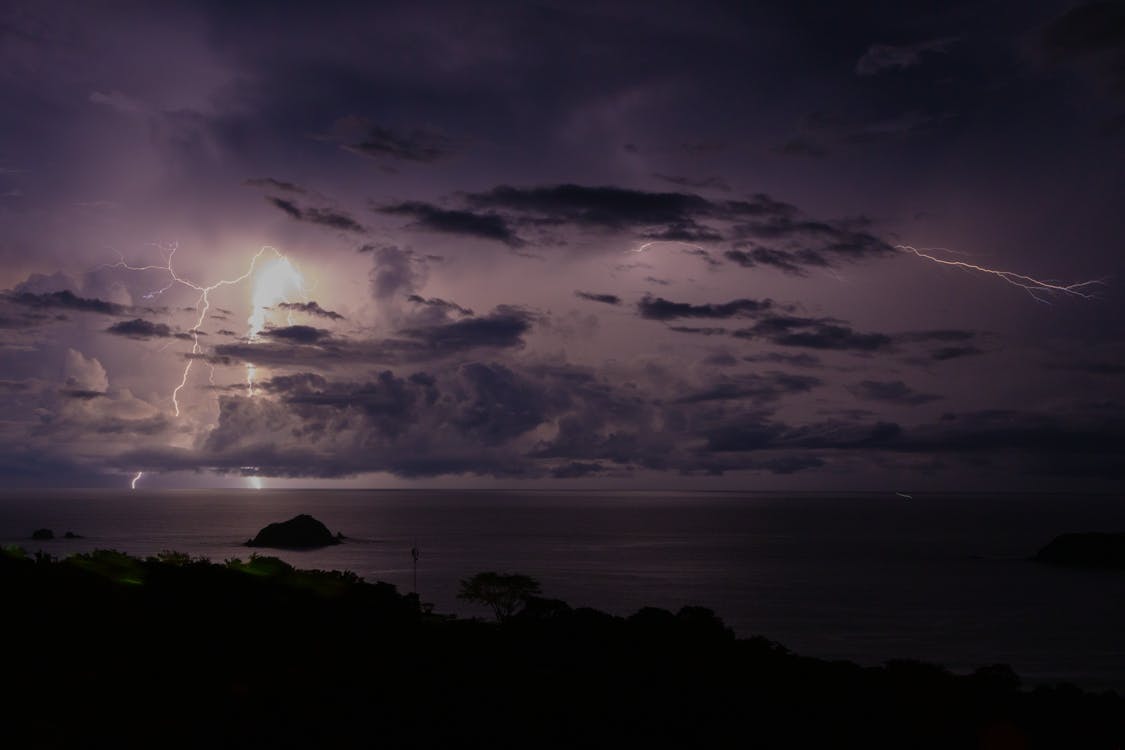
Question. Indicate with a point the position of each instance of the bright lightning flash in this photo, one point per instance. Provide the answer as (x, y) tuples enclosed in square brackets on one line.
[(133, 484), (273, 284), (1039, 289)]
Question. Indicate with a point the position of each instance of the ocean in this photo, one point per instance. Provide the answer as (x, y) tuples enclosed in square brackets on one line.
[(939, 578)]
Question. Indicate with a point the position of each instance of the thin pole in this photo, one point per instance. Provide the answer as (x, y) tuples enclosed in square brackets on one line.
[(414, 555)]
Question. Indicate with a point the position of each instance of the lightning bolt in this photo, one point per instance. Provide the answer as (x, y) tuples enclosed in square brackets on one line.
[(647, 245), (133, 484), (202, 305), (286, 273), (1039, 289)]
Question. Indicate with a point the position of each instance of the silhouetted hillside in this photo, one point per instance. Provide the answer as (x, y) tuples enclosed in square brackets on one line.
[(1088, 550), (110, 650)]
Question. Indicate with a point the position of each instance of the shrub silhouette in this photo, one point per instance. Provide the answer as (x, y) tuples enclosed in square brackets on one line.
[(504, 593)]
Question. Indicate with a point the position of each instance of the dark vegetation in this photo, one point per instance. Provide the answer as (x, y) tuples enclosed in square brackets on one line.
[(43, 535), (1088, 550), (299, 532), (107, 650)]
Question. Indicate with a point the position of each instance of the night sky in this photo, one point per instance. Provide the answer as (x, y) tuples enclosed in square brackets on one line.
[(631, 245)]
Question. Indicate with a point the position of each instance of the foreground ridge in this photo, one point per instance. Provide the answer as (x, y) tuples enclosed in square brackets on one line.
[(177, 651)]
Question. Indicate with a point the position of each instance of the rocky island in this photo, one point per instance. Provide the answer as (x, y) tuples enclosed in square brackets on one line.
[(299, 532)]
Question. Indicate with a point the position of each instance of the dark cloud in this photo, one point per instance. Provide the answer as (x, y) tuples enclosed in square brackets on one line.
[(821, 132), (814, 333), (487, 226), (658, 308), (822, 242), (504, 328), (461, 421), (700, 330), (655, 216), (326, 217), (288, 206), (66, 300), (777, 327), (140, 329), (416, 145), (1093, 31), (604, 207), (832, 336), (576, 469), (891, 391), (81, 395), (753, 435), (1092, 368), (784, 358), (684, 233), (795, 263), (706, 183), (753, 387), (440, 304), (720, 359), (298, 334), (310, 308), (269, 183), (880, 58), (800, 145), (947, 335), (332, 218), (946, 353), (388, 402), (605, 299)]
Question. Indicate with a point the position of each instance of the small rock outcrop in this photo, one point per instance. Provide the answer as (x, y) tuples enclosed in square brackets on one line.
[(1088, 550), (42, 535), (299, 532)]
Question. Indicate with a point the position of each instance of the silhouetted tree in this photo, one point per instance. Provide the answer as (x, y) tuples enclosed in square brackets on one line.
[(505, 593)]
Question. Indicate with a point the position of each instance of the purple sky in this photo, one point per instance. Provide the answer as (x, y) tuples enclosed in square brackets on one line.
[(562, 244)]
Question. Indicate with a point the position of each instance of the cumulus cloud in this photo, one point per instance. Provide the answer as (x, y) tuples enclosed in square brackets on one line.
[(891, 391), (84, 374)]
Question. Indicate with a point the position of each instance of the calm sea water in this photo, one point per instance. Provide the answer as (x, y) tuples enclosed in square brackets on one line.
[(938, 578)]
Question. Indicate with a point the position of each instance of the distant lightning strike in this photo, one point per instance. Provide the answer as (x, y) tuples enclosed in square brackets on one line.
[(271, 288), (133, 484), (1039, 289), (202, 305), (647, 245)]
